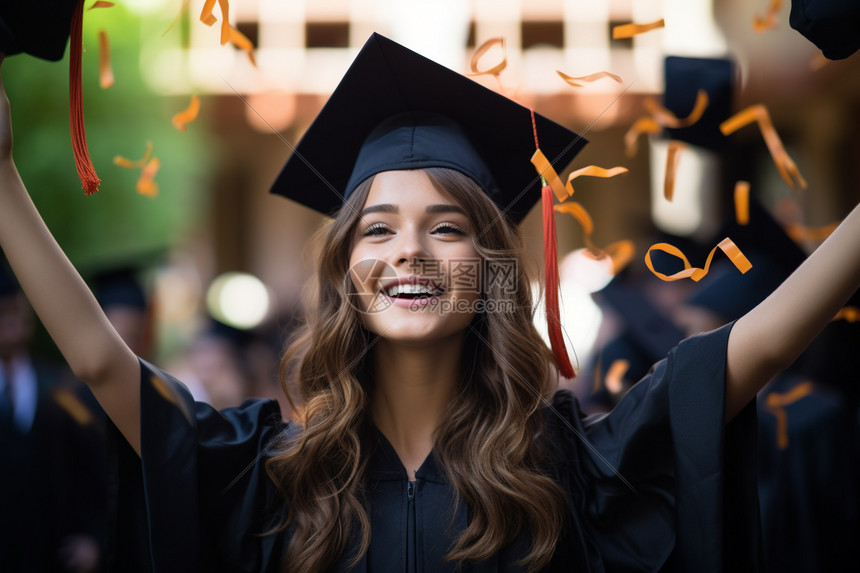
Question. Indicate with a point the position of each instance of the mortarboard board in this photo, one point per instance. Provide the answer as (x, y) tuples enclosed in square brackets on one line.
[(832, 25), (395, 109), (684, 77), (41, 28), (773, 254)]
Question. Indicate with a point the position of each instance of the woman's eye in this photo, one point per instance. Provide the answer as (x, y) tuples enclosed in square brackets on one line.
[(375, 230), (448, 228)]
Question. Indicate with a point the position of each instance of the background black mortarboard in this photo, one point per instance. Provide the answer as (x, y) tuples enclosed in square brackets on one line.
[(36, 27), (387, 79), (120, 287), (832, 25), (773, 254), (684, 77)]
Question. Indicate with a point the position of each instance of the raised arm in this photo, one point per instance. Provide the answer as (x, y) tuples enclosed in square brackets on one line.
[(772, 335), (61, 299)]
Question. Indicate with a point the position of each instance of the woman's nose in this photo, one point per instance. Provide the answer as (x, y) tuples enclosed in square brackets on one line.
[(410, 248)]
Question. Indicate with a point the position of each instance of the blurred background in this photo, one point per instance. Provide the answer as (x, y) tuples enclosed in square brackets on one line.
[(213, 244)]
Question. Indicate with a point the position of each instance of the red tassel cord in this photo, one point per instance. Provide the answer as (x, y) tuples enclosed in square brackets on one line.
[(84, 164), (553, 314)]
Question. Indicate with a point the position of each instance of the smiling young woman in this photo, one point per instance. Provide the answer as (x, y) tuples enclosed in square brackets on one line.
[(430, 439)]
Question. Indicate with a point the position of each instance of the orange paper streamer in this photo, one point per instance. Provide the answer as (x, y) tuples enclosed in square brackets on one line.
[(545, 170), (146, 184), (742, 202), (621, 253), (848, 314), (800, 233), (592, 171), (208, 18), (615, 375), (134, 164), (630, 30), (73, 406), (106, 78), (577, 82), (726, 245), (759, 114), (101, 4), (182, 9), (183, 118), (479, 53), (580, 214), (673, 157), (776, 402), (242, 42), (666, 118), (640, 126), (767, 22)]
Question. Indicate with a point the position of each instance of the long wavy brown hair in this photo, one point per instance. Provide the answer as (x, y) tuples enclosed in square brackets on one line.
[(489, 441)]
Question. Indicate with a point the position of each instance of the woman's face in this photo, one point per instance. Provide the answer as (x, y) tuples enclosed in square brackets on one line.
[(413, 261)]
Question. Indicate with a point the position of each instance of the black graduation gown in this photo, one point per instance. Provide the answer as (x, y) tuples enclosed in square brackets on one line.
[(657, 484)]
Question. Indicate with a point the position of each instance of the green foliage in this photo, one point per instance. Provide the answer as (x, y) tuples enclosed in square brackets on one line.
[(116, 224)]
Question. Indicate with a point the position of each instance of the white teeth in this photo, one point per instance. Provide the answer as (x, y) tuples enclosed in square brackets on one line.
[(412, 289)]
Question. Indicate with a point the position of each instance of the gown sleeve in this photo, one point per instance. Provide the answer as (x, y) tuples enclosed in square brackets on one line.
[(198, 498), (661, 483)]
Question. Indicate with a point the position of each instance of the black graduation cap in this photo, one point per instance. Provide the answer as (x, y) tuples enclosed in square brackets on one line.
[(41, 28), (832, 25), (37, 27), (684, 77), (773, 254), (120, 287), (395, 109)]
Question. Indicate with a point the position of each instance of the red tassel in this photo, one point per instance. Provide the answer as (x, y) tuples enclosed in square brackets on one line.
[(550, 252), (84, 164)]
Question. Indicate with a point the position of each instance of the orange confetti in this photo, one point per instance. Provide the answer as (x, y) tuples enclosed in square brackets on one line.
[(101, 4), (479, 53), (726, 245), (242, 42), (182, 9), (630, 30), (759, 114), (208, 18), (673, 157), (577, 82), (640, 126), (775, 404), (848, 314), (767, 22), (666, 118), (621, 253), (146, 184), (818, 62), (580, 214), (615, 375), (545, 170), (106, 78), (186, 116), (137, 164), (73, 406), (592, 171), (800, 233), (742, 202)]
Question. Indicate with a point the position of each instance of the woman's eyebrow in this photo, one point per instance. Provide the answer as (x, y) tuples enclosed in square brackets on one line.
[(381, 208), (445, 209)]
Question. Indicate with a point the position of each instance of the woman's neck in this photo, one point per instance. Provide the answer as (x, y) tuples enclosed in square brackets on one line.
[(412, 388)]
